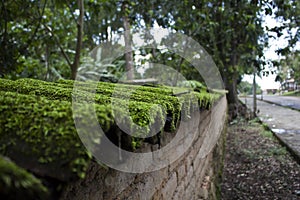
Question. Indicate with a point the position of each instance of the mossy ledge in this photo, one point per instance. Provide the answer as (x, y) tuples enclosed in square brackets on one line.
[(38, 131), (17, 183)]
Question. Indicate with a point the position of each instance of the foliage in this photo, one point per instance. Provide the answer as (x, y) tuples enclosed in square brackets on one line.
[(196, 85), (247, 88), (41, 32), (32, 129), (289, 67), (17, 183), (91, 70), (294, 93), (287, 12), (39, 35), (38, 124)]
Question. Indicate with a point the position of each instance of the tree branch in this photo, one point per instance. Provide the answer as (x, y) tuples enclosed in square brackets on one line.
[(36, 28), (59, 45)]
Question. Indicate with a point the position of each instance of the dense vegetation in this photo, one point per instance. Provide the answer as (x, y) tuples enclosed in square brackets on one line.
[(47, 39), (246, 88), (38, 130)]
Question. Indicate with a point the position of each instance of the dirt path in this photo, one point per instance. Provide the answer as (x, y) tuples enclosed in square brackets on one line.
[(257, 166)]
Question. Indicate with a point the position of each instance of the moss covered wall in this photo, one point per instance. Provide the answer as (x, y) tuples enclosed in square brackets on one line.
[(193, 176), (38, 134)]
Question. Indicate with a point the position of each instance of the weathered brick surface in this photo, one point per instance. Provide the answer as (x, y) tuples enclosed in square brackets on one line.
[(169, 187), (179, 192), (189, 177), (181, 172)]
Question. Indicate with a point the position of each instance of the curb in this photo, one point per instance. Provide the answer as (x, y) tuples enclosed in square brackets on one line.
[(278, 104), (295, 154)]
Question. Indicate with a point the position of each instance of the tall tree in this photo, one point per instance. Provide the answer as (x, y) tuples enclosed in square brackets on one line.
[(127, 38), (287, 13), (79, 36), (229, 30), (20, 23), (32, 32), (76, 62)]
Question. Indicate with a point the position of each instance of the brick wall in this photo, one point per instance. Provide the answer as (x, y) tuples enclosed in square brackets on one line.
[(193, 176)]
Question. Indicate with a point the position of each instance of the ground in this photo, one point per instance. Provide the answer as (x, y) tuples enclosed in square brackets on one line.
[(257, 166)]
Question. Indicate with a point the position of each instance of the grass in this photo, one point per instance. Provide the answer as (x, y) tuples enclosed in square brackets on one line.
[(252, 154), (274, 151), (264, 131), (292, 93), (267, 134)]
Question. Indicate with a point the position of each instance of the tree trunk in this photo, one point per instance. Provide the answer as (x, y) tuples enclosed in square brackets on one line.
[(232, 76), (76, 62), (254, 93), (128, 49), (231, 86), (231, 83)]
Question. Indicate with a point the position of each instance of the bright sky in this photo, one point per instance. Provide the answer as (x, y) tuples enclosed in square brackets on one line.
[(270, 54)]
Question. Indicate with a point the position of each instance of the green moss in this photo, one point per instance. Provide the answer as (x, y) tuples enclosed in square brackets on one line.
[(108, 92), (138, 101), (42, 131), (99, 85), (38, 125), (138, 110), (17, 183), (154, 95), (141, 99)]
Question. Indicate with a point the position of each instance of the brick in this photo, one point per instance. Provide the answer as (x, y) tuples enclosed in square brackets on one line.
[(181, 180), (169, 187), (190, 158), (173, 166), (159, 176), (201, 171), (181, 172), (189, 192), (146, 187), (179, 193), (198, 161), (189, 175), (116, 181)]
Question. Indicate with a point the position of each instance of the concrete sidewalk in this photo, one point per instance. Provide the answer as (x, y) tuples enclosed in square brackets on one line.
[(287, 101), (284, 122)]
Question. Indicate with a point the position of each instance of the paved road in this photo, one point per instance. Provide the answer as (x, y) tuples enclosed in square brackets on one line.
[(289, 101), (284, 122)]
